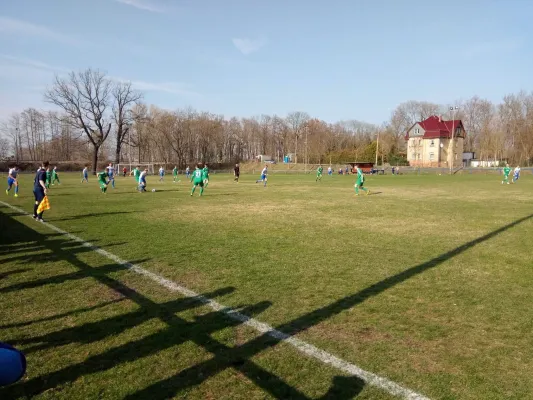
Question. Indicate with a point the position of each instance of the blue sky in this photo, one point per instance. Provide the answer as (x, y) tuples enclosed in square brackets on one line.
[(335, 59)]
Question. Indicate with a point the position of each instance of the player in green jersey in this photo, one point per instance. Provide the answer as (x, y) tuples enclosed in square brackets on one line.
[(506, 172), (319, 173), (360, 181), (136, 174), (102, 181), (205, 171), (175, 174), (55, 177), (197, 179), (48, 178)]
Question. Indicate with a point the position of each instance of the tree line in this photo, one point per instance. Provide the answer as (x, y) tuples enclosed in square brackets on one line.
[(97, 118)]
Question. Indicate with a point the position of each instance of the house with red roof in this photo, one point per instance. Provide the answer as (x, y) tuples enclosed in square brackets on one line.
[(429, 143)]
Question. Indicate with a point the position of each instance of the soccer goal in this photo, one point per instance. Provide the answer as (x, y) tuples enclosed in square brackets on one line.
[(119, 168)]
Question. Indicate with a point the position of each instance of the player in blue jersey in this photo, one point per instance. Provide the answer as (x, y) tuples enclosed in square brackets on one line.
[(264, 177), (516, 174), (188, 172), (85, 175), (161, 174), (12, 180), (111, 174)]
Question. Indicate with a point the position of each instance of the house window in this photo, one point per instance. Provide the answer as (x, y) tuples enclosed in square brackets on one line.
[(431, 156), (419, 156), (432, 143), (417, 131)]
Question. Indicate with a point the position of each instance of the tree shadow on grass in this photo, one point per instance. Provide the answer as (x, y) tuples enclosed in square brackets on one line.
[(91, 215), (13, 272), (199, 331)]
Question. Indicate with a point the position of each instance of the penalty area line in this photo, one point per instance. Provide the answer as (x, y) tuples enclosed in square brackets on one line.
[(308, 349)]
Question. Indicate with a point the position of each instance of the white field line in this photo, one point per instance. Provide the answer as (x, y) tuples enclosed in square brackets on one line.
[(302, 346)]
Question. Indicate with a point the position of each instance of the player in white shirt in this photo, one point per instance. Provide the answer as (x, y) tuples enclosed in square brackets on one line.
[(161, 173), (142, 180), (516, 174), (263, 178), (85, 175), (12, 180), (330, 171), (188, 172), (111, 174)]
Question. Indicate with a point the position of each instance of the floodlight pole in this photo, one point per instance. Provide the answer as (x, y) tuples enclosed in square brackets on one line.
[(453, 110), (306, 131), (377, 147)]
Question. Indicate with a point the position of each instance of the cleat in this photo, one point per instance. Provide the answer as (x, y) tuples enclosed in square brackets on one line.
[(368, 192), (7, 192)]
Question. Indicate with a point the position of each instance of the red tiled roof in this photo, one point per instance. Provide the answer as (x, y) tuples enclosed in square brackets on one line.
[(435, 127)]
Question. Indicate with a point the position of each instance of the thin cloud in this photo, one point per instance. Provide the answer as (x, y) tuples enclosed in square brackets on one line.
[(490, 48), (26, 62), (247, 46), (143, 5), (23, 28), (164, 87)]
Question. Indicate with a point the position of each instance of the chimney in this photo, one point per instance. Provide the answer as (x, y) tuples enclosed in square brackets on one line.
[(440, 118)]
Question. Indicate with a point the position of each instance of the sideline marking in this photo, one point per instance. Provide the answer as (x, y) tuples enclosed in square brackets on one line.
[(304, 347)]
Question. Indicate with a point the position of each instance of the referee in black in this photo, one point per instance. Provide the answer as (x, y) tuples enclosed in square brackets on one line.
[(236, 172), (39, 190)]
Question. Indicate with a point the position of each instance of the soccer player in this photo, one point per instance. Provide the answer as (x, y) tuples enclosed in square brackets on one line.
[(330, 171), (55, 177), (142, 180), (12, 180), (161, 173), (188, 172), (319, 173), (111, 174), (175, 174), (205, 172), (40, 189), (102, 180), (360, 181), (85, 175), (136, 174), (124, 171), (263, 178), (506, 172), (197, 179), (236, 173), (48, 177), (516, 174)]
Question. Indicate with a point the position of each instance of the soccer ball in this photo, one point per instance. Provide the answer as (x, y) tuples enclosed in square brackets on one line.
[(153, 190)]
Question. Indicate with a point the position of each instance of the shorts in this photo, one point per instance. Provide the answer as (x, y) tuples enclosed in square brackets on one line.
[(10, 182), (102, 185), (198, 183), (142, 181), (39, 195), (85, 176), (111, 176), (263, 177)]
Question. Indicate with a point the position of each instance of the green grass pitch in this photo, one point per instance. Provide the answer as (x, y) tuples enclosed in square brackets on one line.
[(427, 282)]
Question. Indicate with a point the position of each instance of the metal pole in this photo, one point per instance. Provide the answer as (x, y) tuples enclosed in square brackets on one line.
[(377, 147), (306, 131), (452, 158)]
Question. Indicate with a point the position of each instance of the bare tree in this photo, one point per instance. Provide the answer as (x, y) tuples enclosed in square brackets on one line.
[(124, 98), (297, 121), (85, 98)]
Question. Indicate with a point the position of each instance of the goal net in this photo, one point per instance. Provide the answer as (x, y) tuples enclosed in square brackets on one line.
[(119, 168)]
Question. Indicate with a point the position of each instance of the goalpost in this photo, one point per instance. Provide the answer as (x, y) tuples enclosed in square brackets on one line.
[(129, 167)]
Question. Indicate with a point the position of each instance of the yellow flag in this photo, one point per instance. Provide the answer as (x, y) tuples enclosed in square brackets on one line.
[(44, 205)]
